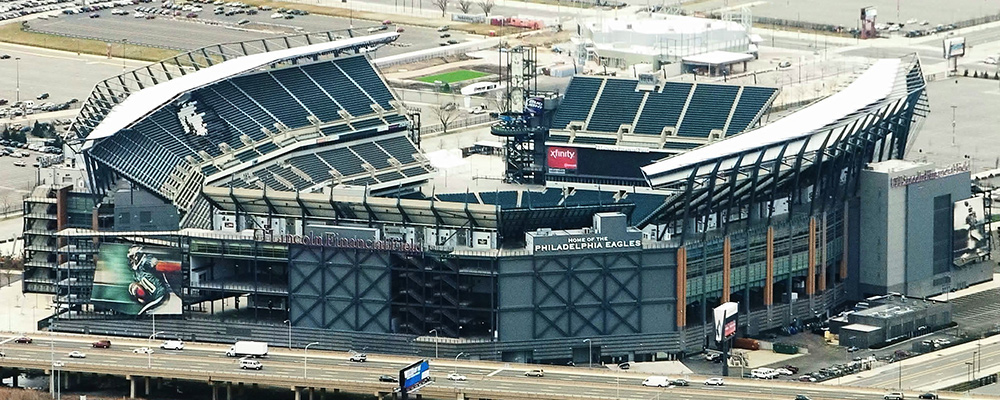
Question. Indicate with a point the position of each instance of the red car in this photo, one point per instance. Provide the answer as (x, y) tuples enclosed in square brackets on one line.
[(23, 339), (102, 344)]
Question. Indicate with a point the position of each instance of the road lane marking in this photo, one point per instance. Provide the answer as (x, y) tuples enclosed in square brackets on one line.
[(494, 372)]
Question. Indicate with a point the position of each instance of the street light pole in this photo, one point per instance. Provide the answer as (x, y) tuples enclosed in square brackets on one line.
[(289, 322), (456, 361), (590, 353), (149, 350), (305, 361), (435, 332), (953, 109), (17, 79)]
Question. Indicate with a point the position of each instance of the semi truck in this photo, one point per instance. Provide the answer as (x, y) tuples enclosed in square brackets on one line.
[(246, 348)]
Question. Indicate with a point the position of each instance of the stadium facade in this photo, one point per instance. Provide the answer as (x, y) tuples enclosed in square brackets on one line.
[(289, 185)]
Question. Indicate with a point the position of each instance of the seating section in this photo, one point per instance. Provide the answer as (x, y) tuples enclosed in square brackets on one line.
[(594, 140), (577, 102), (663, 108), (228, 110), (645, 204), (618, 104), (752, 101), (709, 109)]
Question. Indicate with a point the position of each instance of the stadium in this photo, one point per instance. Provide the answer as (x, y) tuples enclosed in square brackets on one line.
[(282, 182)]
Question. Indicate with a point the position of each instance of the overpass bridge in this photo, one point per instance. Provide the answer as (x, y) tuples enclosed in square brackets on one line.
[(329, 372)]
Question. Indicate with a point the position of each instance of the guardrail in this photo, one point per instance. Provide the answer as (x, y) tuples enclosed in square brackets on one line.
[(27, 28)]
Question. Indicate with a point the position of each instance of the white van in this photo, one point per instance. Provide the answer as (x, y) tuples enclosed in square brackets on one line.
[(249, 363), (763, 373), (172, 345), (658, 381)]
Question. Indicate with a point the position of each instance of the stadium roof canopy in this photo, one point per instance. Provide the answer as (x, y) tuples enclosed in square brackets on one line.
[(140, 103), (809, 159), (874, 84)]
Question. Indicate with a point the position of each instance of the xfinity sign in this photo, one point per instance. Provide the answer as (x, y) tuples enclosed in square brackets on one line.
[(562, 157)]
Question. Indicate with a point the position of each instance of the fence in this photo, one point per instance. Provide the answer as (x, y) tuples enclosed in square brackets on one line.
[(455, 125), (28, 28)]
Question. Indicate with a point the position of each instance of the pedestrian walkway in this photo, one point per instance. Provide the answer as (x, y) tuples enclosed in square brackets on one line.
[(19, 312)]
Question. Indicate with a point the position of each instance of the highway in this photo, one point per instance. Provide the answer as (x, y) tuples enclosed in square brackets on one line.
[(284, 368), (937, 369)]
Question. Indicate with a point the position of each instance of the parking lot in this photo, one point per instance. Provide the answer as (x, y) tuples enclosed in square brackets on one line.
[(847, 12), (208, 28)]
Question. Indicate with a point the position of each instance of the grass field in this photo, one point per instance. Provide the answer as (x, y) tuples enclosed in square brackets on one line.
[(453, 76)]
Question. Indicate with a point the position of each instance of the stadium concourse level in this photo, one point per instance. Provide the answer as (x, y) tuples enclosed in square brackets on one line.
[(524, 210), (238, 122), (595, 109)]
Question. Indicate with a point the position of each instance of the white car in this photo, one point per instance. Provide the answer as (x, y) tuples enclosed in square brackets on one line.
[(77, 354), (142, 350), (139, 15), (172, 345), (990, 61), (714, 382), (784, 371), (359, 357), (277, 16), (456, 377)]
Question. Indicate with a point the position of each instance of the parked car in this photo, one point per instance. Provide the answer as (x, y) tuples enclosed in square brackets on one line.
[(95, 15), (792, 368), (784, 371), (801, 397), (4, 56), (443, 28), (42, 96)]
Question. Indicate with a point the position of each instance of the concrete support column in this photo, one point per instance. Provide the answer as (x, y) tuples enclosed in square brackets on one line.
[(298, 393), (811, 280), (131, 387), (459, 396), (79, 378), (312, 391), (239, 389), (215, 391), (147, 386), (322, 394), (681, 287), (822, 255), (64, 378), (229, 391), (159, 383), (727, 286), (52, 383), (769, 259), (13, 379)]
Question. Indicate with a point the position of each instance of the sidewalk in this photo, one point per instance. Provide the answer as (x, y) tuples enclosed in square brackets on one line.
[(982, 287)]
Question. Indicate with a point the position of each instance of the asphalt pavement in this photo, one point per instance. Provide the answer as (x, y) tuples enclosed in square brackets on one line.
[(208, 29)]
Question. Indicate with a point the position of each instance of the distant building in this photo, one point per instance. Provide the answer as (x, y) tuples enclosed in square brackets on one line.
[(659, 39), (891, 317)]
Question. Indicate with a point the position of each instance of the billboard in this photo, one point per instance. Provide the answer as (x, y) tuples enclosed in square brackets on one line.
[(969, 236), (414, 377), (562, 158), (869, 13), (138, 280), (954, 47), (725, 320), (534, 105)]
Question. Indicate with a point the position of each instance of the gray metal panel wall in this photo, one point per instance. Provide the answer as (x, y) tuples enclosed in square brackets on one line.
[(920, 230), (549, 297), (341, 289)]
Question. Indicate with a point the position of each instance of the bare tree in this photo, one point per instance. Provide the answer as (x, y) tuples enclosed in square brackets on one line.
[(441, 5), (447, 114), (5, 203), (487, 6), (498, 101), (464, 5)]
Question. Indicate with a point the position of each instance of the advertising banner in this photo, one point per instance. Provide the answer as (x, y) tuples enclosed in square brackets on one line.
[(414, 377), (534, 105), (970, 241), (954, 47), (138, 280), (725, 320), (562, 157)]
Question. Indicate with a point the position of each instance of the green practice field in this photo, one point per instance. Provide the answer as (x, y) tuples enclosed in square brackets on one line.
[(453, 76)]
